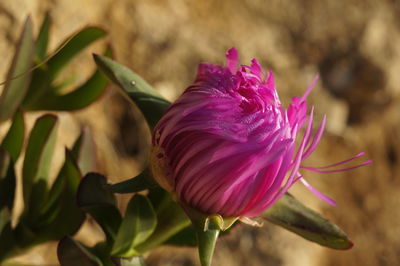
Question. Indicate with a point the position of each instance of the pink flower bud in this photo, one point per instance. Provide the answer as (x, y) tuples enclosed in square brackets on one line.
[(228, 147)]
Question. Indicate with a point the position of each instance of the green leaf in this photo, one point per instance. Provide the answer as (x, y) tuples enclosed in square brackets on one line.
[(37, 162), (72, 47), (52, 206), (39, 84), (141, 182), (71, 252), (297, 218), (171, 216), (79, 98), (84, 152), (134, 88), (185, 237), (67, 205), (94, 197), (138, 224), (43, 38), (14, 139), (7, 239), (7, 181), (43, 76), (16, 85), (5, 219), (93, 191)]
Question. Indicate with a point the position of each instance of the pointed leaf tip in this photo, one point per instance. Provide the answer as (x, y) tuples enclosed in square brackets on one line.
[(134, 88), (292, 215), (138, 224)]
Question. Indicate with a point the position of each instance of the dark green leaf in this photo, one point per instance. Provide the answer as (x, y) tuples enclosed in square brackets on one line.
[(141, 182), (71, 253), (38, 86), (7, 181), (84, 152), (93, 190), (72, 47), (79, 98), (43, 38), (7, 239), (40, 90), (60, 226), (38, 156), (14, 139), (5, 219), (172, 216), (294, 216), (95, 198), (185, 237), (138, 224), (51, 208), (134, 88), (16, 85)]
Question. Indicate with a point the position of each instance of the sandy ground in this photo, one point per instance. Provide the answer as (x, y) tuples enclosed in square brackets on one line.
[(353, 44)]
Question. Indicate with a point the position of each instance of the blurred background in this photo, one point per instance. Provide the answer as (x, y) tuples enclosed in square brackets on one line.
[(354, 45)]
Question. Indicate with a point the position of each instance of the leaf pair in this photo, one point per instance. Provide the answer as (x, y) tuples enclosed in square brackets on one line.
[(30, 82), (123, 234), (43, 217), (44, 209)]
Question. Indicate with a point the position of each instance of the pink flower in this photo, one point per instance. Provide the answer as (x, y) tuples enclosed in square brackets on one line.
[(228, 147)]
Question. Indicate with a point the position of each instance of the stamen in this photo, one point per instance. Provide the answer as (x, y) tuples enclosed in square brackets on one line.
[(316, 139), (317, 193), (313, 169), (342, 162), (309, 89)]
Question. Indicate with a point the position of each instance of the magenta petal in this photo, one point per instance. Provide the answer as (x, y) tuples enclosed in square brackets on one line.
[(232, 59), (227, 146)]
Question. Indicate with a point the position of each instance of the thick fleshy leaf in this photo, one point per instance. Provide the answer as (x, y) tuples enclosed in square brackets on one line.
[(134, 88), (14, 140), (43, 38), (39, 84), (79, 98), (138, 224), (37, 162), (173, 219), (71, 252), (7, 181), (141, 182), (4, 218), (18, 76), (84, 152), (185, 237), (292, 215), (7, 239), (95, 198), (93, 191), (53, 204), (72, 47), (43, 76), (60, 226)]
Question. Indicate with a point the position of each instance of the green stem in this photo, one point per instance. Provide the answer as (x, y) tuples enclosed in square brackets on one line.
[(206, 242)]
